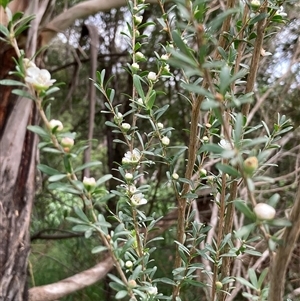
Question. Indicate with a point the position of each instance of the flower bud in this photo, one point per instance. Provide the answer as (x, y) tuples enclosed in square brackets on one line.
[(166, 68), (138, 20), (118, 118), (175, 176), (165, 140), (89, 183), (164, 57), (264, 211), (160, 125), (67, 142), (135, 67), (132, 283), (28, 63), (139, 56), (219, 285), (126, 126), (128, 264), (250, 165), (255, 4), (140, 101), (152, 76), (219, 97), (205, 139), (56, 124), (137, 34), (203, 172), (152, 290), (128, 176)]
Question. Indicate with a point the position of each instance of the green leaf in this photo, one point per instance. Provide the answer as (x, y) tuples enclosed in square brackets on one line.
[(262, 278), (258, 18), (57, 177), (253, 278), (165, 280), (280, 222), (87, 165), (4, 3), (245, 231), (246, 283), (74, 220), (121, 294), (227, 169), (67, 164), (67, 188), (138, 86), (51, 90), (243, 207), (51, 150), (115, 279), (81, 214), (181, 45), (274, 199), (81, 228), (4, 31), (150, 101), (98, 249), (48, 170), (197, 89), (103, 179), (11, 82), (225, 75), (38, 130), (238, 129), (213, 148)]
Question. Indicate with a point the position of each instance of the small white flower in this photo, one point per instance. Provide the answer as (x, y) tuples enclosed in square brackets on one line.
[(205, 139), (128, 176), (203, 172), (211, 179), (280, 12), (138, 20), (152, 290), (118, 118), (263, 52), (89, 182), (135, 67), (40, 79), (175, 176), (126, 160), (28, 63), (264, 211), (165, 140), (208, 125), (53, 123), (164, 57), (67, 142), (128, 264), (131, 189), (167, 68), (152, 76), (132, 157), (139, 56), (140, 101), (255, 3), (160, 125), (126, 126), (225, 144), (138, 199)]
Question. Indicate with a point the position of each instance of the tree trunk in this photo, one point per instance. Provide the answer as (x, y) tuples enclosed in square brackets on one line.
[(17, 155)]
